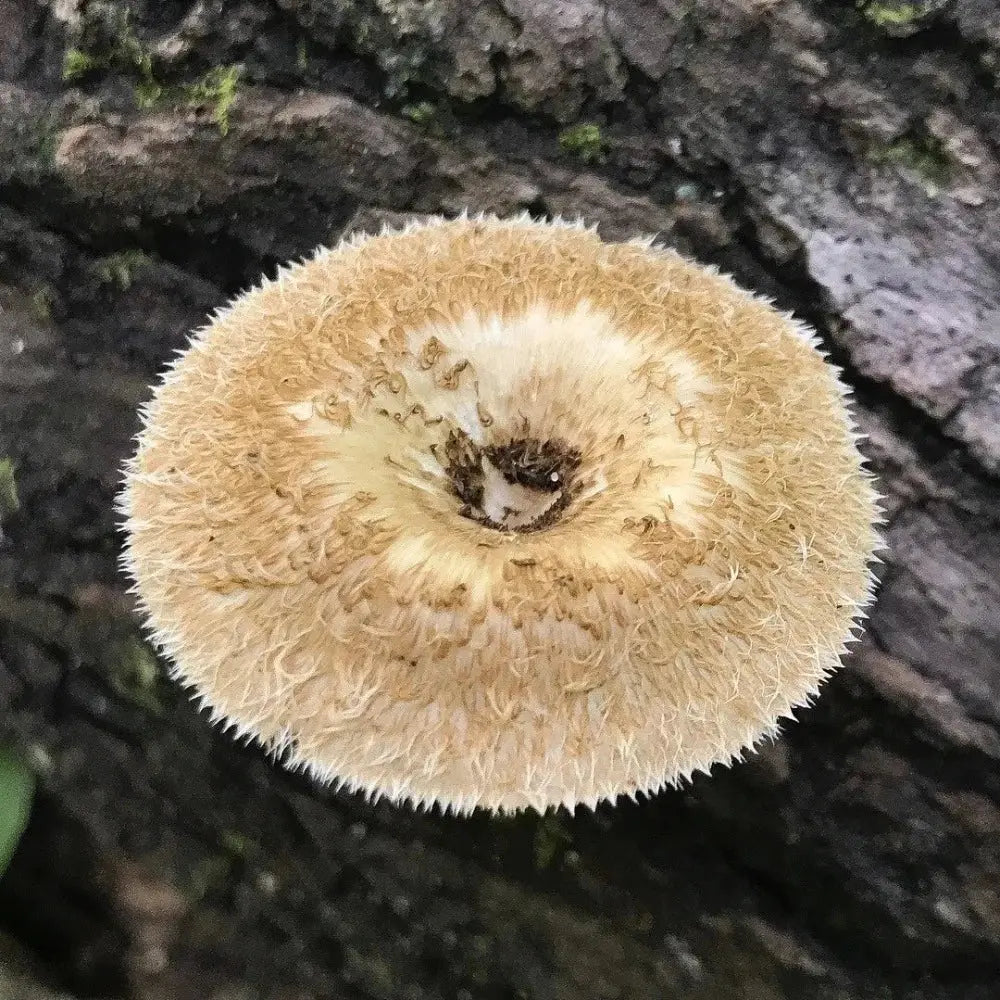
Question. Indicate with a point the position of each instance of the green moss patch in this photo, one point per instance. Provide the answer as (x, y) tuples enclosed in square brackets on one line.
[(422, 113), (108, 43), (891, 15), (584, 141), (921, 154), (77, 64), (9, 501), (216, 89), (119, 268)]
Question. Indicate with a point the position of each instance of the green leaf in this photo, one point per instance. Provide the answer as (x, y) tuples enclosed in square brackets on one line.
[(17, 788)]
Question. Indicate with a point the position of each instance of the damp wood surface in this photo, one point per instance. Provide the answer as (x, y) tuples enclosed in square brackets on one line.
[(842, 158)]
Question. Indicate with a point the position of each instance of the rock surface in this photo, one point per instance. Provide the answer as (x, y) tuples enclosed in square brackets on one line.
[(842, 158)]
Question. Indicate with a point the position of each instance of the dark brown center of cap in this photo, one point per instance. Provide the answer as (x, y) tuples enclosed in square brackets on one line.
[(520, 485)]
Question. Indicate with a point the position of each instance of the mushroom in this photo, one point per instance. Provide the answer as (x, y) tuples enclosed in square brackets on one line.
[(492, 513)]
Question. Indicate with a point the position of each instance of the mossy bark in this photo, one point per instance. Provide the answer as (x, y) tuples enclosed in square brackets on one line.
[(822, 154)]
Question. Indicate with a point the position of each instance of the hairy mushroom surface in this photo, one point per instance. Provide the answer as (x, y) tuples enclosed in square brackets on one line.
[(493, 513)]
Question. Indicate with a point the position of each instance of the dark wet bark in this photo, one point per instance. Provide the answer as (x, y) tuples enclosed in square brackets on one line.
[(840, 157)]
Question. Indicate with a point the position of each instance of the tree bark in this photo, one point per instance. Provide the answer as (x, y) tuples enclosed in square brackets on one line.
[(840, 157)]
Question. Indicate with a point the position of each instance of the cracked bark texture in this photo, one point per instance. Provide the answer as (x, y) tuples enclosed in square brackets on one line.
[(841, 157)]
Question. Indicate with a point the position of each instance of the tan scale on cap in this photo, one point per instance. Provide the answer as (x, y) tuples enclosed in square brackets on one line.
[(493, 513)]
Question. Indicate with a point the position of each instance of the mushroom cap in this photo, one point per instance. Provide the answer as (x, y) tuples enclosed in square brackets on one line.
[(492, 513)]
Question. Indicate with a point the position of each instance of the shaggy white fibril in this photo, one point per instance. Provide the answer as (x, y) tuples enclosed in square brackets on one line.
[(330, 547)]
